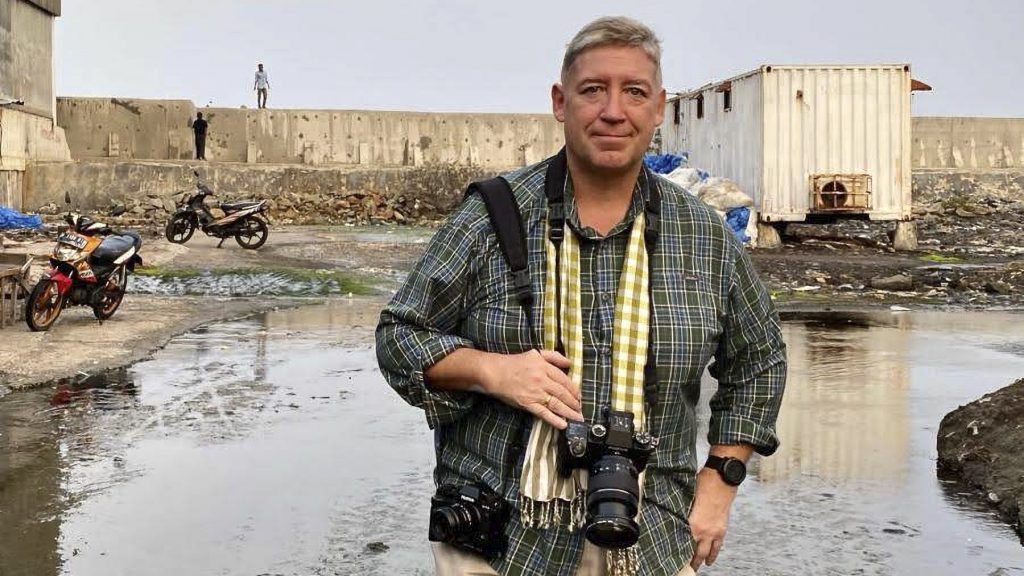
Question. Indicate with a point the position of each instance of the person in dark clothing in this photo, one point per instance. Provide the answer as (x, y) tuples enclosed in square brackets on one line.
[(199, 128)]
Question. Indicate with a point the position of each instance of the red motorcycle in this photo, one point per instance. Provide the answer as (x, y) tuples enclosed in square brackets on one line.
[(89, 266)]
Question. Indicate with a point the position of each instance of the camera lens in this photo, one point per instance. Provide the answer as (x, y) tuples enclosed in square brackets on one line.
[(613, 491), (449, 521)]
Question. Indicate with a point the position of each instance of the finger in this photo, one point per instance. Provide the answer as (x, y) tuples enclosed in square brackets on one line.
[(563, 380), (701, 553), (556, 358), (716, 547), (560, 408), (566, 397), (547, 415), (565, 390)]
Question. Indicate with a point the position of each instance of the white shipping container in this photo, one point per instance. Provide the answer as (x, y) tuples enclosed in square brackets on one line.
[(806, 142)]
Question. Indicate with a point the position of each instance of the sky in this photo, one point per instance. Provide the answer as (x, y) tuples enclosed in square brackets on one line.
[(486, 56)]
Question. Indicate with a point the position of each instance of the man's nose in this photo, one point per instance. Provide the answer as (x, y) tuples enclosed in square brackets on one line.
[(613, 110)]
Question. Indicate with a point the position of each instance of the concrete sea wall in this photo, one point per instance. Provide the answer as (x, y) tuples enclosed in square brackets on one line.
[(128, 128)]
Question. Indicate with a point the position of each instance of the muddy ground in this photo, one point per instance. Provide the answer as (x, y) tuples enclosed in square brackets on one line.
[(980, 443)]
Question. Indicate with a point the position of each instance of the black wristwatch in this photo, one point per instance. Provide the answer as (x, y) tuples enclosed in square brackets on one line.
[(732, 470)]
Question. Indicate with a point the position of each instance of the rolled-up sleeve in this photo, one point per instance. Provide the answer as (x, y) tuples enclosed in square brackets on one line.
[(750, 365), (419, 326)]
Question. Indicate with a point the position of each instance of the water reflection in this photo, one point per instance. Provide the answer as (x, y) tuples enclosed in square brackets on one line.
[(844, 414), (38, 429)]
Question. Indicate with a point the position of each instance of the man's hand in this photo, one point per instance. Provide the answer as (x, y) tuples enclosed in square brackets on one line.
[(534, 381), (709, 516)]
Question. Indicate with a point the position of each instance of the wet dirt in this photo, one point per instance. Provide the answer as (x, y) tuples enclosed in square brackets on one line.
[(979, 443), (272, 445)]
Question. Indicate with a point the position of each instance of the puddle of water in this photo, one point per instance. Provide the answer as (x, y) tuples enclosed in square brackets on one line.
[(272, 446), (244, 284)]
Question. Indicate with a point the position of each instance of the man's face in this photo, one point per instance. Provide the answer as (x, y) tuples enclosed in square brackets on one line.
[(260, 66), (610, 103)]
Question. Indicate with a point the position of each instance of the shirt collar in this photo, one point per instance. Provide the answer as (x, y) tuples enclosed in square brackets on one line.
[(641, 191)]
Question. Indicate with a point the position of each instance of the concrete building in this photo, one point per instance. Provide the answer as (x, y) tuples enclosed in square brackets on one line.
[(28, 129), (807, 143)]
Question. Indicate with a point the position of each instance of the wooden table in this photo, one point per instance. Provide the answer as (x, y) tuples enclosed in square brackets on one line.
[(13, 288)]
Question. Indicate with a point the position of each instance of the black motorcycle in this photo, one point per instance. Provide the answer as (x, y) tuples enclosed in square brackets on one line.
[(241, 220)]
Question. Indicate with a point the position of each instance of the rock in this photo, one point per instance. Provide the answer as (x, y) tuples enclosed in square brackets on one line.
[(117, 210), (897, 283), (377, 547), (964, 213), (999, 287)]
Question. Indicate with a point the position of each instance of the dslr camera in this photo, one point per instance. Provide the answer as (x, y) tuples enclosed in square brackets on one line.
[(614, 454), (470, 517)]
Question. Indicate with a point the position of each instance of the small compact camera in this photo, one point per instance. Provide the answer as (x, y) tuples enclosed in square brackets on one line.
[(470, 517), (614, 454)]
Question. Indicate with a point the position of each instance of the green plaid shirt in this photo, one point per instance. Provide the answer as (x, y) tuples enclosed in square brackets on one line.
[(708, 304)]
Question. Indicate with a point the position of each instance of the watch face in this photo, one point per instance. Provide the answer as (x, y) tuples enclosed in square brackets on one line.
[(733, 471)]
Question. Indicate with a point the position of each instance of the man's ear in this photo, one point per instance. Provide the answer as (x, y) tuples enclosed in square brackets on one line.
[(558, 101)]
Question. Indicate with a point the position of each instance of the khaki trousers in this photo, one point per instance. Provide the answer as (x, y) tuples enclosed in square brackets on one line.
[(450, 561)]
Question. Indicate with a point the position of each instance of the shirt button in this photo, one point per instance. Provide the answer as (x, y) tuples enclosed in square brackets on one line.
[(606, 296)]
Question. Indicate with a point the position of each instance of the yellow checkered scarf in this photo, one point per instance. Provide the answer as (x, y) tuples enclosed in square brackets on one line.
[(546, 498)]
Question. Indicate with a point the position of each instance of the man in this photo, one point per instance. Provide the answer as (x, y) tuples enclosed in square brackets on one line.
[(455, 341), (199, 129), (261, 85)]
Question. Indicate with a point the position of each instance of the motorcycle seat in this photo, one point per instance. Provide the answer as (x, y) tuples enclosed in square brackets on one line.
[(229, 207), (113, 247)]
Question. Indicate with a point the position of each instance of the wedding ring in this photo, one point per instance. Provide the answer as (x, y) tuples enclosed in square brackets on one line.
[(547, 401)]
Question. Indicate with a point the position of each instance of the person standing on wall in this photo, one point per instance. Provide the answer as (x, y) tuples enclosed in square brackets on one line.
[(199, 129), (261, 86)]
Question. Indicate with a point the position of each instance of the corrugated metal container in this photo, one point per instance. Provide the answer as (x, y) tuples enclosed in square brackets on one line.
[(806, 142)]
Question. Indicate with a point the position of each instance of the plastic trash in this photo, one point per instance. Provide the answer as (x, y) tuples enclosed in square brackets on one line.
[(723, 194), (737, 219), (11, 219), (664, 163)]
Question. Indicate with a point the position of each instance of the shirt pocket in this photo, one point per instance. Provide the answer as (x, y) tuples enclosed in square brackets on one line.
[(687, 328)]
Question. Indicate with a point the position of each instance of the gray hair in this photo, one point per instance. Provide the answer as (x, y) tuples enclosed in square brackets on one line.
[(614, 31)]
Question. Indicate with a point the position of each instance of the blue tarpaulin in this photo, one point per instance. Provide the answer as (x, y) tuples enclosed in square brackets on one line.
[(11, 218), (737, 219), (664, 163)]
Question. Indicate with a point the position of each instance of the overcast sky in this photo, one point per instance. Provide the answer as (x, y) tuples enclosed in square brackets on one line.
[(486, 56)]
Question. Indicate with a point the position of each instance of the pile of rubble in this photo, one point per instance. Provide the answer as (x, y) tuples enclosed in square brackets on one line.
[(970, 253)]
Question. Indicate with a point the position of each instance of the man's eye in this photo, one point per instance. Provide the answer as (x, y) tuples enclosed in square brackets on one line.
[(591, 89), (637, 92)]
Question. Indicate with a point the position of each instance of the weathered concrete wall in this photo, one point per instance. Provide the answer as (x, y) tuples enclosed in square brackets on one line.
[(935, 184), (160, 130), (97, 185), (26, 55), (25, 138), (127, 128), (968, 143)]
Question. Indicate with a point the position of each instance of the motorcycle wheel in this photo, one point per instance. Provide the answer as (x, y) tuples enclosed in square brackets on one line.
[(43, 306), (179, 228), (253, 233), (112, 297)]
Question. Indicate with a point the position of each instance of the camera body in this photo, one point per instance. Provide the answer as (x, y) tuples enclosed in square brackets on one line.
[(470, 517), (614, 454)]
